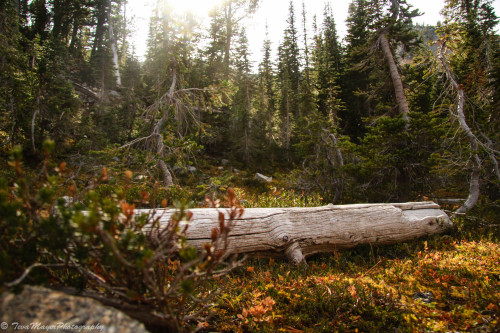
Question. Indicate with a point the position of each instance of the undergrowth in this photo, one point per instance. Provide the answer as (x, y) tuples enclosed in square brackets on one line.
[(443, 283), (369, 290)]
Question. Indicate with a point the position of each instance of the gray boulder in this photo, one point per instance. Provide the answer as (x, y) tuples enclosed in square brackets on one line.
[(40, 309), (178, 170)]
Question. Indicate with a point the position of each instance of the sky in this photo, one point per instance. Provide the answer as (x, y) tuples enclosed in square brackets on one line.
[(273, 13)]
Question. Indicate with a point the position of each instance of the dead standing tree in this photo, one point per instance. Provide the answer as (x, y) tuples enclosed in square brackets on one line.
[(383, 43), (475, 144), (177, 104)]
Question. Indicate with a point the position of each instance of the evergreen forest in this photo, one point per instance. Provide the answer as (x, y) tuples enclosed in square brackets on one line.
[(393, 112)]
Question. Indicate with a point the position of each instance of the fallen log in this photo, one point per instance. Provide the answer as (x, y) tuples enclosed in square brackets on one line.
[(301, 232)]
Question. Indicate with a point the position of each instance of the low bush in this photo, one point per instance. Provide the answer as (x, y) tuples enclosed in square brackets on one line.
[(101, 246)]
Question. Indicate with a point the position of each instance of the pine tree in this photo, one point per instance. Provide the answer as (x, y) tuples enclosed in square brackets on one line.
[(14, 78), (318, 147), (172, 104), (242, 107), (356, 77), (307, 98), (225, 26), (328, 68), (264, 128), (289, 78), (376, 29)]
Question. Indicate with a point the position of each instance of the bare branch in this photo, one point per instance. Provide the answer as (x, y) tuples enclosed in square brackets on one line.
[(37, 111), (108, 240), (28, 270)]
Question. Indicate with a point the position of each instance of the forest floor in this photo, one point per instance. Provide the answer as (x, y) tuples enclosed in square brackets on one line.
[(439, 284), (442, 283)]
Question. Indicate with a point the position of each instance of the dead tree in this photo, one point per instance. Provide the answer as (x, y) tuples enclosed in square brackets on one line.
[(474, 143), (397, 83), (175, 104), (300, 232)]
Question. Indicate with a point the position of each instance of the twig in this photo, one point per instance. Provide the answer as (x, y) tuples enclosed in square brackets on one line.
[(28, 270), (368, 271)]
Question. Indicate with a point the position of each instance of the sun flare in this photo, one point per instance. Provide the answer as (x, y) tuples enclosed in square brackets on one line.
[(198, 7)]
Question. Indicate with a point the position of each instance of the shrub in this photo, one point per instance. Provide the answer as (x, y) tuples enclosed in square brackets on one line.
[(128, 260)]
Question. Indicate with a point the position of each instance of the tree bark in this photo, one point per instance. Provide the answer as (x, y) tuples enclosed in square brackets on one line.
[(300, 232), (228, 16), (339, 180), (399, 91), (114, 49), (167, 176), (474, 142)]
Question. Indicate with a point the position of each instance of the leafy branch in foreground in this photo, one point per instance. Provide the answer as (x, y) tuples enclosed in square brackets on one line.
[(101, 247)]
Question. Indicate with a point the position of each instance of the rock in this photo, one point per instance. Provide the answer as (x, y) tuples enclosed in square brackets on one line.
[(220, 168), (263, 178), (426, 297), (191, 169), (114, 94), (224, 162), (178, 170), (41, 309), (236, 171)]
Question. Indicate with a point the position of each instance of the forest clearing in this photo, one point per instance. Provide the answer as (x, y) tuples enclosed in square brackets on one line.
[(337, 184)]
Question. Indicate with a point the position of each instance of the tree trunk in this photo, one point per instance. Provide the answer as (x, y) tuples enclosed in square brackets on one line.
[(300, 232), (339, 188), (399, 91), (229, 34), (114, 49), (167, 176), (101, 7), (473, 140)]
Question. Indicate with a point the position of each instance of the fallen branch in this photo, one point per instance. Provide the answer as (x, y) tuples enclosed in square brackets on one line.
[(86, 91)]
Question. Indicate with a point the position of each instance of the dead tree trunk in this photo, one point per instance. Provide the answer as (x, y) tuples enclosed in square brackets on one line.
[(474, 142), (399, 91), (300, 232), (114, 49)]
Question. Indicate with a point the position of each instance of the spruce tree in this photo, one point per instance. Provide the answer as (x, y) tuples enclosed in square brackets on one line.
[(265, 120), (242, 108), (289, 79)]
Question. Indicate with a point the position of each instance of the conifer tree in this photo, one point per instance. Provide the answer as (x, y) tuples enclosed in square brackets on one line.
[(242, 106), (289, 79), (266, 102), (355, 79), (225, 27), (328, 68), (387, 27), (307, 99), (319, 147)]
